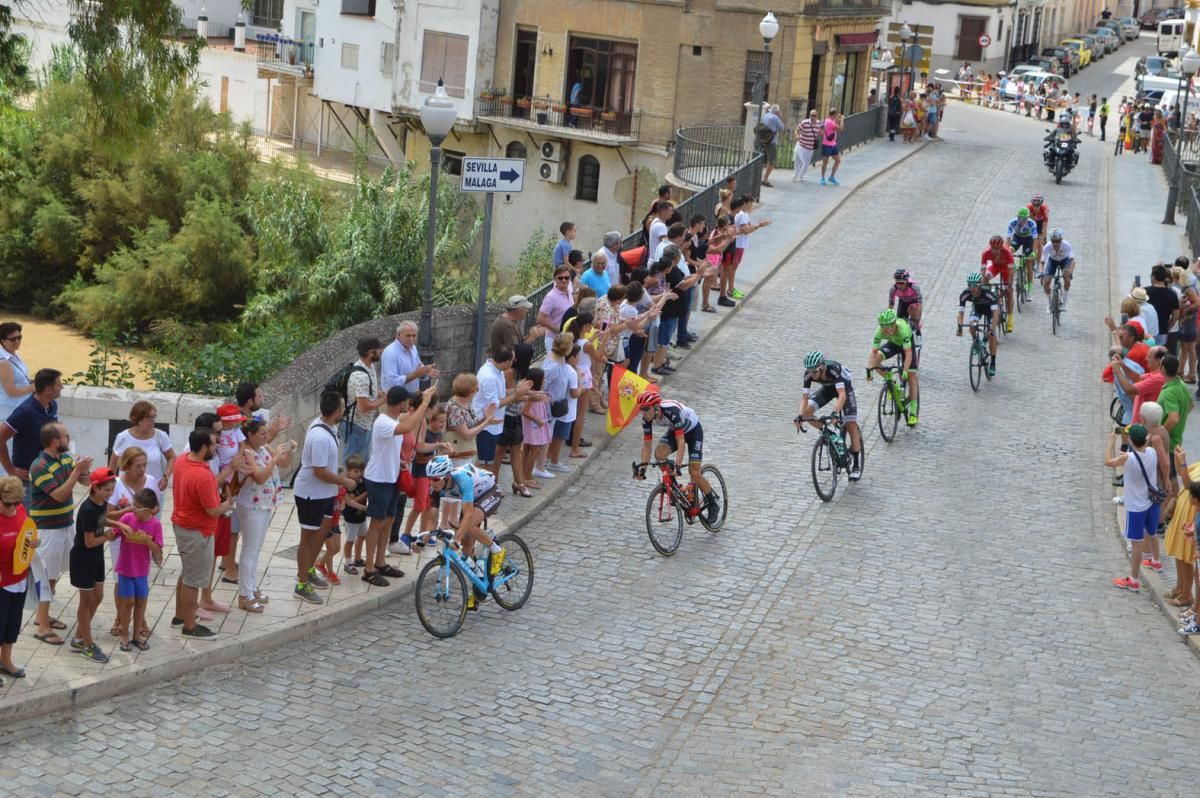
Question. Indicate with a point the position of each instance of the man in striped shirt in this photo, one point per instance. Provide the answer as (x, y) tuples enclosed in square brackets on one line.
[(807, 133)]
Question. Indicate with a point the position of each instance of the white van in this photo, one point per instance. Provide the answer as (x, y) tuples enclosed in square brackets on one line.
[(1170, 37)]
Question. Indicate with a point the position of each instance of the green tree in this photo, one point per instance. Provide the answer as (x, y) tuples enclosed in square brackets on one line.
[(15, 78)]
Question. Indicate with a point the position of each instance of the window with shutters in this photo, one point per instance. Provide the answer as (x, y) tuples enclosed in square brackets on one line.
[(387, 58), (969, 31), (587, 184), (444, 57), (350, 56)]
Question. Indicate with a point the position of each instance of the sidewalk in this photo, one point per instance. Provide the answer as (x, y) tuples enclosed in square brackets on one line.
[(58, 678), (1139, 240)]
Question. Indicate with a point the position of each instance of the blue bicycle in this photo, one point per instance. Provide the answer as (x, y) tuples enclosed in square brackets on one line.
[(443, 584)]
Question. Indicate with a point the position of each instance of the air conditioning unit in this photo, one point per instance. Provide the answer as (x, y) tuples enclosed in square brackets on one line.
[(552, 172), (555, 151)]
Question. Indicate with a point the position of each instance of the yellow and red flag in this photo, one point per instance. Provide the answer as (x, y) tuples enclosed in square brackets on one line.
[(623, 391)]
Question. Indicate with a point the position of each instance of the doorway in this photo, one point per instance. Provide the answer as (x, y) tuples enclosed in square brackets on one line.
[(524, 63), (814, 82)]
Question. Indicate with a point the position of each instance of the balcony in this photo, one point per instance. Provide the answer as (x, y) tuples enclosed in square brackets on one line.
[(612, 128), (282, 55), (846, 8), (359, 8)]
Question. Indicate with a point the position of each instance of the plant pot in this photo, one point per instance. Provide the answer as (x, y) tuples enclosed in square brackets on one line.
[(505, 100), (523, 104), (582, 113), (608, 116), (542, 117), (558, 108)]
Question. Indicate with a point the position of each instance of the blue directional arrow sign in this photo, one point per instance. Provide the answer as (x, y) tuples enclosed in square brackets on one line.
[(498, 175)]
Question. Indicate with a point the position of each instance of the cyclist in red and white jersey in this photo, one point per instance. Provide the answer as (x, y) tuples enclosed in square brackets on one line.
[(684, 430), (1039, 212)]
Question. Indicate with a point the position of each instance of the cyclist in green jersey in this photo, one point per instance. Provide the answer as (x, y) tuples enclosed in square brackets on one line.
[(894, 337)]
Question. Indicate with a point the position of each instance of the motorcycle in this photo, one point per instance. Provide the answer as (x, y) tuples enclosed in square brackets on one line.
[(1061, 153)]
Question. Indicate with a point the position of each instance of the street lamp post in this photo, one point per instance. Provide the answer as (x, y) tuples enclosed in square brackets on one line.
[(437, 117), (768, 28), (1188, 65), (906, 36)]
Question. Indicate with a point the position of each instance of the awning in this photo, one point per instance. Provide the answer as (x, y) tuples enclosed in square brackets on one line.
[(856, 42)]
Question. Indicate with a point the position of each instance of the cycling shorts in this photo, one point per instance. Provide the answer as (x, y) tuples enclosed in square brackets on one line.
[(1053, 265), (902, 307), (982, 321), (827, 393), (693, 438), (890, 350), (1022, 245), (1004, 272)]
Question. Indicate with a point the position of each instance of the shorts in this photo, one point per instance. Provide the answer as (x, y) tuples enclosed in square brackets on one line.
[(1039, 226), (196, 553), (827, 393), (311, 513), (355, 530), (890, 350), (652, 336), (87, 568), (485, 446), (383, 500), (489, 502), (1187, 330), (728, 256), (982, 321), (770, 150), (12, 605), (512, 434), (1003, 272), (666, 330), (134, 587), (223, 539), (738, 252), (1139, 525), (54, 547), (828, 150), (902, 308), (420, 494), (1022, 245), (1054, 265), (562, 430), (694, 438)]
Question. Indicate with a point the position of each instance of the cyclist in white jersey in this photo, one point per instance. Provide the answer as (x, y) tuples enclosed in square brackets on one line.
[(476, 489), (1057, 255)]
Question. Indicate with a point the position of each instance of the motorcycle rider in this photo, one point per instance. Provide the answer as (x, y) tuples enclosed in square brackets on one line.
[(1066, 125)]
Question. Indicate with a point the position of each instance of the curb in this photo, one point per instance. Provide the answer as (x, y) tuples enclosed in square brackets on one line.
[(88, 690)]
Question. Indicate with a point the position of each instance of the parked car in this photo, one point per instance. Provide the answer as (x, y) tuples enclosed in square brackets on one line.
[(1170, 36), (1067, 58), (1078, 45), (1106, 36), (1130, 28), (1114, 26), (1021, 69), (1156, 65), (1093, 44), (1046, 64), (1149, 20), (1034, 81)]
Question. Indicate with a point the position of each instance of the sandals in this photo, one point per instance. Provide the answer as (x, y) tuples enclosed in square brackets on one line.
[(709, 309), (55, 623), (375, 579), (50, 639), (140, 644), (1177, 601), (126, 646), (253, 605), (115, 631)]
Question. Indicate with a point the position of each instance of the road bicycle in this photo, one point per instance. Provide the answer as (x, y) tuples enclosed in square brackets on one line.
[(980, 358), (1002, 301), (671, 503), (894, 398), (1025, 286), (830, 454), (442, 586), (1056, 295)]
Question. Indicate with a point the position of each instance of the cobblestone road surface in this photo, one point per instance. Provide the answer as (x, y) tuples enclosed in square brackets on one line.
[(945, 626)]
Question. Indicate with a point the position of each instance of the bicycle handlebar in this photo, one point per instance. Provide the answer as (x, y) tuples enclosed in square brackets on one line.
[(638, 468)]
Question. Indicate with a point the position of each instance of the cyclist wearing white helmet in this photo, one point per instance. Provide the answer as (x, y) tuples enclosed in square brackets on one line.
[(833, 383), (894, 337), (985, 310), (1039, 212), (684, 431), (1054, 257), (476, 489)]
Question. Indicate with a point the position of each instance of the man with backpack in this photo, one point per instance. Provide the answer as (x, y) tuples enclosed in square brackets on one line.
[(359, 388), (766, 136)]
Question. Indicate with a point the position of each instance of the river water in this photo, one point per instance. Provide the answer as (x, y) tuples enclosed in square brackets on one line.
[(47, 344)]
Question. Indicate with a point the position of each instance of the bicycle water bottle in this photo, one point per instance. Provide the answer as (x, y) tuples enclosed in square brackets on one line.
[(839, 445), (691, 492)]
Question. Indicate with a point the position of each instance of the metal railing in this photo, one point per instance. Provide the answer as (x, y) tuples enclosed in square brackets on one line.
[(1192, 204), (845, 8), (749, 180), (281, 52), (705, 154), (542, 111)]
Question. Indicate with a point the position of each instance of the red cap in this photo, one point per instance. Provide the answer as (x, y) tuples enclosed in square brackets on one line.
[(102, 476), (230, 412)]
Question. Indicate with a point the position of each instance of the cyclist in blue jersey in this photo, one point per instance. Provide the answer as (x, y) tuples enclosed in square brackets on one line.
[(683, 430), (476, 489), (1022, 233), (1057, 255)]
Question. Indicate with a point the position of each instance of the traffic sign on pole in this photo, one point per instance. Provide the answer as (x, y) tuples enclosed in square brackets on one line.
[(506, 175), (984, 40)]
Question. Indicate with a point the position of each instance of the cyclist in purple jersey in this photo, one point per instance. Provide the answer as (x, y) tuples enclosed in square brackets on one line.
[(905, 297)]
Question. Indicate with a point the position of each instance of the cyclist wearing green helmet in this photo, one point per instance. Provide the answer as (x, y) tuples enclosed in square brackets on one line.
[(1022, 233), (894, 337), (985, 309), (832, 382)]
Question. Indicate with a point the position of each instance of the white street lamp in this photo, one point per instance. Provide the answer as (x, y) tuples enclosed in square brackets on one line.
[(437, 116), (768, 28)]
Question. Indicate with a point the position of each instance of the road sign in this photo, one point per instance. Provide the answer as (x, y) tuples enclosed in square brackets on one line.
[(505, 175), (984, 40)]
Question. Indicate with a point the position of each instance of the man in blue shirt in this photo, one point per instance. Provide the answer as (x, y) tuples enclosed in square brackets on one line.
[(596, 278), (772, 121), (563, 248), (401, 364), (24, 426)]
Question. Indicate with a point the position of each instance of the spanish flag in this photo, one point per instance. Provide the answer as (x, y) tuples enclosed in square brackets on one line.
[(623, 391)]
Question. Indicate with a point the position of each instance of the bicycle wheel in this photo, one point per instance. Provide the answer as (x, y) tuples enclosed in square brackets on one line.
[(717, 482), (824, 468), (513, 594), (664, 522), (1054, 310), (975, 365), (1022, 295), (888, 414), (441, 598)]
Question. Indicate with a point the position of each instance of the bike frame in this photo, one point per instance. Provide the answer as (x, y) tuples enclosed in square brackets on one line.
[(452, 557), (679, 497), (895, 385)]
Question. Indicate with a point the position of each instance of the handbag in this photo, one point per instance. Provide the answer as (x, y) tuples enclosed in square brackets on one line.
[(1157, 495), (909, 120), (560, 408)]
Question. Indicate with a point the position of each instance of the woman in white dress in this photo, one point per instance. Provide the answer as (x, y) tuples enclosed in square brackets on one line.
[(154, 443)]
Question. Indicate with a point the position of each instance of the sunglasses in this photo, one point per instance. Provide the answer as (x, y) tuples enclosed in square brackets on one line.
[(10, 504), (14, 338), (562, 277)]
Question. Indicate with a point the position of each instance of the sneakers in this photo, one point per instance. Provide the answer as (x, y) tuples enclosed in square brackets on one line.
[(1009, 325), (736, 294), (401, 546), (1190, 628), (1127, 583), (315, 580), (330, 576), (1153, 565), (497, 562), (559, 467), (92, 652), (77, 644), (912, 417), (726, 302), (833, 181), (199, 632), (542, 474), (822, 181), (305, 592), (855, 467), (991, 371)]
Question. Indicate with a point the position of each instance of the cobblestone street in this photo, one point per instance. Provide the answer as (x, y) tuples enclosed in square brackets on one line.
[(944, 626)]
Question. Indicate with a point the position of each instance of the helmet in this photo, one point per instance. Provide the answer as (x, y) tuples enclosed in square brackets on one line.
[(814, 360), (902, 274), (438, 467), (1037, 199), (974, 278), (1023, 213), (887, 317), (649, 398), (996, 241), (1056, 234)]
